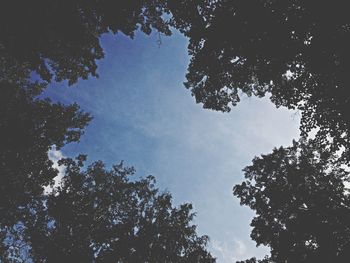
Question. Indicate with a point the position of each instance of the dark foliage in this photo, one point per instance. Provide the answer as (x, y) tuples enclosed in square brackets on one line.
[(29, 127), (60, 38), (99, 215), (296, 50), (302, 206), (96, 215)]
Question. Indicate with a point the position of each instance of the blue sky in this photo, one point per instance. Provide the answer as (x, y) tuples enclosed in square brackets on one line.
[(144, 116)]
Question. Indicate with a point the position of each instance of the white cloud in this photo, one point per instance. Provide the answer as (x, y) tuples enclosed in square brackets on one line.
[(55, 155), (230, 252)]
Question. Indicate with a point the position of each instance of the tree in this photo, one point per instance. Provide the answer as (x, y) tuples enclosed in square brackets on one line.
[(297, 51), (302, 206), (60, 39), (96, 215), (29, 127), (99, 215)]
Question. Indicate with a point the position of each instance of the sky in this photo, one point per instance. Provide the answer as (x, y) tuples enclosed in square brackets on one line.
[(145, 116)]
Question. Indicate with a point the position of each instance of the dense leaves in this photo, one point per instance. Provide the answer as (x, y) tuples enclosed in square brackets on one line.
[(99, 215), (60, 38), (29, 127), (301, 203), (96, 215), (295, 50)]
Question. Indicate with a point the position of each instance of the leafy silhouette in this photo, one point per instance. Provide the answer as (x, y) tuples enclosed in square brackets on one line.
[(99, 215), (30, 127), (295, 50), (302, 206), (291, 49), (60, 39), (96, 215)]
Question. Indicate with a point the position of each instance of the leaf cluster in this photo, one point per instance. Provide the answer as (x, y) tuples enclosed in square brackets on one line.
[(296, 51), (302, 205), (100, 215), (60, 40)]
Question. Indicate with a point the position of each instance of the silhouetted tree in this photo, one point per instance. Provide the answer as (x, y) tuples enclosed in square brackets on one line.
[(29, 127), (96, 215), (60, 39), (99, 215), (296, 50), (302, 206)]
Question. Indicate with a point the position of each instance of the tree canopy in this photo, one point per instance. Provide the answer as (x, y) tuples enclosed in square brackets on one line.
[(100, 215), (295, 50), (60, 39), (96, 215), (29, 127), (301, 203)]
